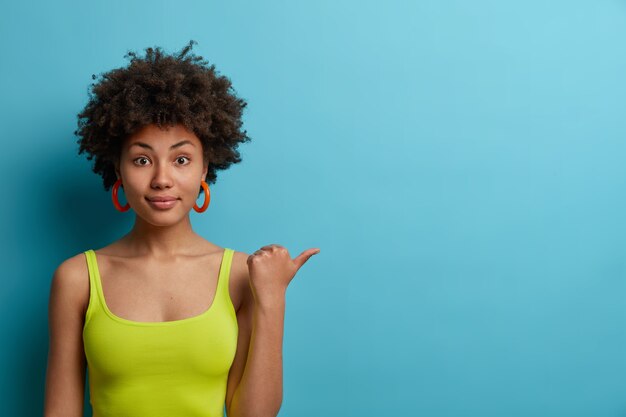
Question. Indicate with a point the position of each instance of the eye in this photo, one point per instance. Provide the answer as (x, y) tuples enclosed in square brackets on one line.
[(141, 157), (183, 157)]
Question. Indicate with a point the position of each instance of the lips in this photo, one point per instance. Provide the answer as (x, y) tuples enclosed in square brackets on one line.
[(163, 203), (162, 198)]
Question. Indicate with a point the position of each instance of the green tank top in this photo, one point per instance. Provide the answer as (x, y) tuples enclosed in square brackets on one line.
[(151, 369)]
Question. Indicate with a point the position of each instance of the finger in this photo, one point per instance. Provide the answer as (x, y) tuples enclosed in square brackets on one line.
[(255, 253), (305, 256), (262, 250), (269, 246)]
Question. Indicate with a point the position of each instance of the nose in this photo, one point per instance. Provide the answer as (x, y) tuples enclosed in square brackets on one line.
[(162, 177)]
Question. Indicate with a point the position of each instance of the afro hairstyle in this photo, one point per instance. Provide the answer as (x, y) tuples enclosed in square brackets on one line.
[(161, 89)]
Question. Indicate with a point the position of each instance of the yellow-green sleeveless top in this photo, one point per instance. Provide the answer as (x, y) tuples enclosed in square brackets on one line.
[(159, 369)]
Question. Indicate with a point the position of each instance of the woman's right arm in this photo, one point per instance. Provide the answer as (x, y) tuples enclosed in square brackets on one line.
[(65, 373)]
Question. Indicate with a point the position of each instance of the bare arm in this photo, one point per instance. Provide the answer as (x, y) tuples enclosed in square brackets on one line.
[(270, 270), (255, 382), (65, 373), (261, 389)]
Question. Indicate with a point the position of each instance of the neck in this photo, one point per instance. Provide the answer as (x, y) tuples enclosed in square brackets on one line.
[(146, 239)]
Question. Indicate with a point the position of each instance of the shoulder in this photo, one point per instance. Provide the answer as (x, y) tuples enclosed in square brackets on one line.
[(65, 375), (71, 271), (70, 282), (240, 280)]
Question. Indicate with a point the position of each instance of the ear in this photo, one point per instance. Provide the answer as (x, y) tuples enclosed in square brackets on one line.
[(117, 170), (205, 170)]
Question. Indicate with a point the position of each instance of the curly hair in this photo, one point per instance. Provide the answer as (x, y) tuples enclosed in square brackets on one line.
[(161, 89)]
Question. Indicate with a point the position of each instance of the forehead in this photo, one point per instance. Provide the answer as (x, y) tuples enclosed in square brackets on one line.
[(162, 137)]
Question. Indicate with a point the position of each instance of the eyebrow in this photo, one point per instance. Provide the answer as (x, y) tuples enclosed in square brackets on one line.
[(176, 145)]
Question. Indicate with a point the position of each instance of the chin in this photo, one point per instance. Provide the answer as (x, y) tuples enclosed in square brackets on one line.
[(162, 218)]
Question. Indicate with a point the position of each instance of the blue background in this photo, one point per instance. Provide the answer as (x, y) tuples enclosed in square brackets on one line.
[(459, 164)]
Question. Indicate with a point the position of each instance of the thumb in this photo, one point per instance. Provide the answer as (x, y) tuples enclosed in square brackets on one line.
[(304, 256)]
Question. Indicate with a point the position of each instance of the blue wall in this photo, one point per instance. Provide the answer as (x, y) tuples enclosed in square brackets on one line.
[(460, 165)]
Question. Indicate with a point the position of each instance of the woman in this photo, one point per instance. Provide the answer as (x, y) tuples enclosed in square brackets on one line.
[(166, 322)]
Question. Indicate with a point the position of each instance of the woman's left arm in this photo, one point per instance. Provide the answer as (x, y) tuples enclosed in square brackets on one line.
[(259, 392)]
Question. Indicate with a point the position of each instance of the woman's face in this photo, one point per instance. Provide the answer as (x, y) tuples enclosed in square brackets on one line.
[(162, 163)]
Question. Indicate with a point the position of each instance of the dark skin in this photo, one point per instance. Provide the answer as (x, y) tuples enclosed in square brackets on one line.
[(162, 271)]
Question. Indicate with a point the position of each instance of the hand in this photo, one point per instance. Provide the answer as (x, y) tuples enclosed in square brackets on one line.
[(271, 270)]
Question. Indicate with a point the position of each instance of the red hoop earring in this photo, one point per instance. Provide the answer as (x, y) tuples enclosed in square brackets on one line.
[(207, 198), (116, 202)]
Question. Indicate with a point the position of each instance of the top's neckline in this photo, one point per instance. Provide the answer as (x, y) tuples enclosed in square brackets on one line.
[(157, 323)]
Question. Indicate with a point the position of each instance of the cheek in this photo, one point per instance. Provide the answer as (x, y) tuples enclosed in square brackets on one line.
[(186, 184), (192, 187), (134, 181)]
